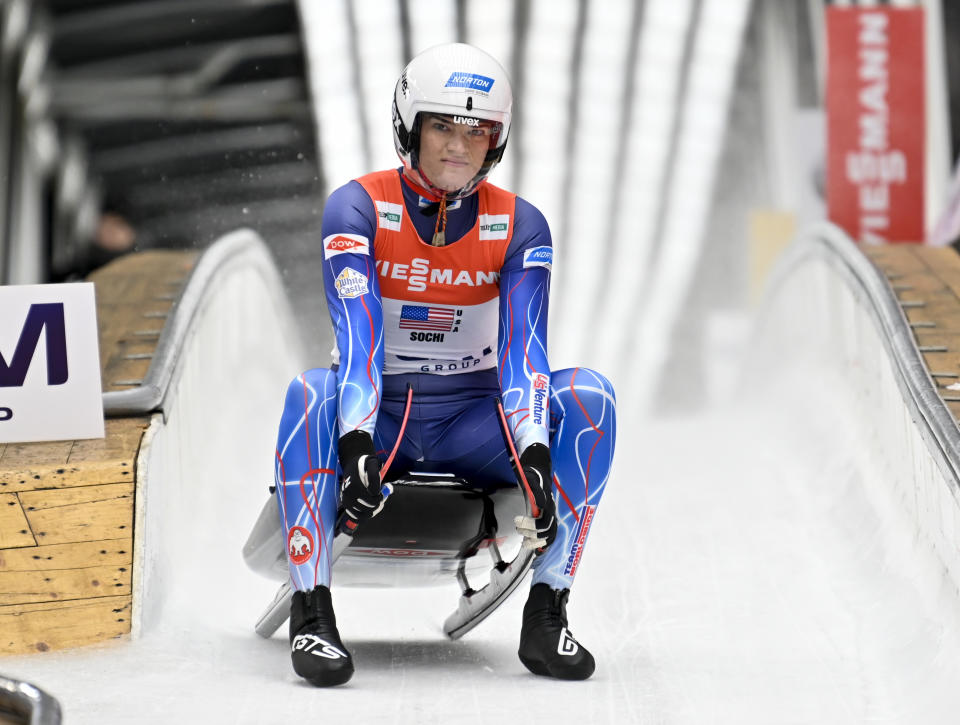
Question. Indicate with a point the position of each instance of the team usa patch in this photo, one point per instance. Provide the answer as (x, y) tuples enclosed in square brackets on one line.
[(345, 244), (299, 545), (580, 538), (389, 215), (420, 317), (538, 257), (351, 283)]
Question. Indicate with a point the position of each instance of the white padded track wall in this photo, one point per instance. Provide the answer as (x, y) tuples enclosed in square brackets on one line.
[(212, 448), (844, 355)]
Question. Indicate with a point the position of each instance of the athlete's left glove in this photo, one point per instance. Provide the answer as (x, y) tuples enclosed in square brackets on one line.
[(538, 532), (360, 494)]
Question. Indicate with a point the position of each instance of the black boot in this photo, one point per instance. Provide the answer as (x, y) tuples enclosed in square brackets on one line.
[(315, 647), (546, 646)]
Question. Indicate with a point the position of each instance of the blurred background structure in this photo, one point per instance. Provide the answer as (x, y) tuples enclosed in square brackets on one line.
[(674, 146)]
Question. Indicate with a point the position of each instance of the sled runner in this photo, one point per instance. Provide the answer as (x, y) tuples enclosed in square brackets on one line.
[(433, 528)]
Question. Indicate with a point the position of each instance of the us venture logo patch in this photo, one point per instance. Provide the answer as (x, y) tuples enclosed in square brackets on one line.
[(539, 392)]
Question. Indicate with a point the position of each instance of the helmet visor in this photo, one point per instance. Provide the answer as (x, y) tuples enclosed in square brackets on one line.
[(469, 127)]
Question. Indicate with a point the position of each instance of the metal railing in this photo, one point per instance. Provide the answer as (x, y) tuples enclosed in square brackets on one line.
[(934, 419), (28, 702)]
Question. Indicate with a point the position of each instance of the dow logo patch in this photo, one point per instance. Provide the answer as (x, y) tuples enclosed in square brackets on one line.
[(299, 545), (345, 244)]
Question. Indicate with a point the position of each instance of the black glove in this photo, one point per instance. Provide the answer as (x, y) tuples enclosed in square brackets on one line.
[(360, 495), (540, 531)]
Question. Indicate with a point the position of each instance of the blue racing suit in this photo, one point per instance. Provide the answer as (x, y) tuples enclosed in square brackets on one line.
[(462, 323)]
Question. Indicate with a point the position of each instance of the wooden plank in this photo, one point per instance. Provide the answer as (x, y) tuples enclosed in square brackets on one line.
[(920, 282), (31, 466), (14, 529), (934, 308), (28, 587), (944, 264), (75, 498), (121, 443), (75, 555), (935, 337), (88, 513), (26, 628), (937, 362), (131, 292), (894, 259), (125, 374), (947, 321), (19, 459)]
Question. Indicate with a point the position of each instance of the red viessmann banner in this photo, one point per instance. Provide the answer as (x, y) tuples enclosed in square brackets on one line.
[(876, 123)]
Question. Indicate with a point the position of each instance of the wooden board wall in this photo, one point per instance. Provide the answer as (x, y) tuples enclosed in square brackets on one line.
[(926, 280), (67, 507)]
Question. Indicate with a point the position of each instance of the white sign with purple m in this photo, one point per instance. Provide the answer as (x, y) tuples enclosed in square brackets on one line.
[(49, 363)]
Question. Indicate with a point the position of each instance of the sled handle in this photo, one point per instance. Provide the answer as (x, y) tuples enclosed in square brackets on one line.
[(515, 459), (344, 524)]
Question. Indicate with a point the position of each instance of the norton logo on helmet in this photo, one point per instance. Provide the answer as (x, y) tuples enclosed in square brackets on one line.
[(470, 81)]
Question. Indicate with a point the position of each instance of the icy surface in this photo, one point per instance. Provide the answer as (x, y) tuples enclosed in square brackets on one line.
[(736, 573)]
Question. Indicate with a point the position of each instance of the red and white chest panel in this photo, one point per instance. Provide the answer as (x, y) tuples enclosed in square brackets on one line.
[(440, 304)]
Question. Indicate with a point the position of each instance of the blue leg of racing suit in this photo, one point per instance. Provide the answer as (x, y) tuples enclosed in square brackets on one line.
[(583, 423), (306, 475), (452, 429), (456, 431)]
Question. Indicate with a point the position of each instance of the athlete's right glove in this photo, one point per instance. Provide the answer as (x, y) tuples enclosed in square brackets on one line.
[(360, 494), (540, 531)]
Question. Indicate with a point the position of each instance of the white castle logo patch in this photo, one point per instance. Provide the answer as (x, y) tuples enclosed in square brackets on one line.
[(351, 283)]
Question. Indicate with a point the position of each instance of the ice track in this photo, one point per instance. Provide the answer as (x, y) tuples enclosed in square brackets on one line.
[(750, 583), (750, 565)]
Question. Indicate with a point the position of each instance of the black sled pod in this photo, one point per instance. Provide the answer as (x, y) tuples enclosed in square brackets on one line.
[(432, 527)]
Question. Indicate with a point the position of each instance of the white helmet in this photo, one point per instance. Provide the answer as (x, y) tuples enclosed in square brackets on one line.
[(451, 79)]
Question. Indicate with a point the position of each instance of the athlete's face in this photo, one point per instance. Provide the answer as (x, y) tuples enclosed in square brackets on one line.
[(451, 153)]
